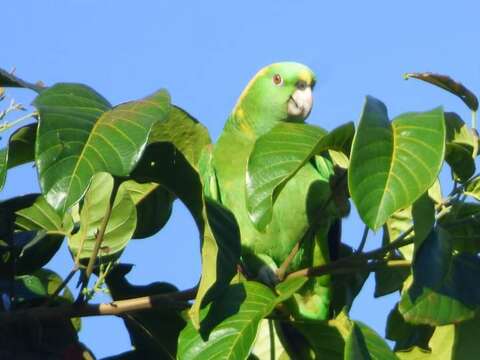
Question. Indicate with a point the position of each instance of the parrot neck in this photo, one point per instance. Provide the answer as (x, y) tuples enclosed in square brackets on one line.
[(250, 123)]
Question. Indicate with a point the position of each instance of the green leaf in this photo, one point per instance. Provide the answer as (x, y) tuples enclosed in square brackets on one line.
[(267, 338), (458, 341), (41, 284), (364, 343), (78, 136), (238, 312), (327, 338), (20, 150), (346, 287), (50, 231), (278, 155), (473, 188), (444, 287), (229, 324), (154, 203), (120, 227), (184, 131), (423, 214), (461, 147), (153, 333), (33, 231), (393, 164), (463, 225), (397, 224), (389, 279), (164, 164), (407, 335), (447, 83), (154, 206)]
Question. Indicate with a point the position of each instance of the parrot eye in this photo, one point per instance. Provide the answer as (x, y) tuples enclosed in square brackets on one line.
[(277, 79)]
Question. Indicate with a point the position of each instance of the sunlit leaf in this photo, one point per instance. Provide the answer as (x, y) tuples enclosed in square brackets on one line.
[(120, 227), (278, 155), (50, 230), (78, 136), (392, 164), (230, 323), (184, 131)]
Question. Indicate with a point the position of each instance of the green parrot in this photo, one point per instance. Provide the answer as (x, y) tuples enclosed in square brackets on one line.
[(278, 92)]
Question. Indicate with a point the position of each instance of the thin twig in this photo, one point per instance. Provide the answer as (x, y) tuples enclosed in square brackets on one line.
[(6, 126)]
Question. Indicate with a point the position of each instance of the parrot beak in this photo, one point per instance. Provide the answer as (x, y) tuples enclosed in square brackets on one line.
[(300, 102)]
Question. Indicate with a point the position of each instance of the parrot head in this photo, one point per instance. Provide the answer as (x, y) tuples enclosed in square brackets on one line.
[(278, 92)]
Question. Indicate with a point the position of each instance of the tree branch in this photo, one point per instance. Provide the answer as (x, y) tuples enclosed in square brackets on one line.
[(176, 300)]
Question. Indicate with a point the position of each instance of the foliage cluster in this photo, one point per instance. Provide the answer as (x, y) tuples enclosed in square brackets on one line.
[(109, 174)]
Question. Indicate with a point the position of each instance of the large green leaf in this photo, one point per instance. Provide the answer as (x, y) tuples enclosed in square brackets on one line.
[(392, 164), (229, 324), (120, 227), (444, 288), (278, 155), (153, 333), (79, 136), (165, 164)]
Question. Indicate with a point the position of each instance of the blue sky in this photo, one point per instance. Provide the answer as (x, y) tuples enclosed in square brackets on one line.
[(205, 52)]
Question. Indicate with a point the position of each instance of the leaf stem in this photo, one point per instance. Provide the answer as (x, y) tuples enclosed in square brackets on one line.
[(282, 270), (364, 239), (63, 284), (100, 234)]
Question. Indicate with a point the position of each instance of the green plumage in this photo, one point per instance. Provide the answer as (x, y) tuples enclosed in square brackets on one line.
[(300, 210)]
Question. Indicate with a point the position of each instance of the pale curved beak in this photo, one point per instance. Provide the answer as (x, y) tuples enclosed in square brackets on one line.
[(300, 103)]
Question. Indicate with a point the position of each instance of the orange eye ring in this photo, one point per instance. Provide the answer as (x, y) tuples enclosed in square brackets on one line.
[(277, 80)]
